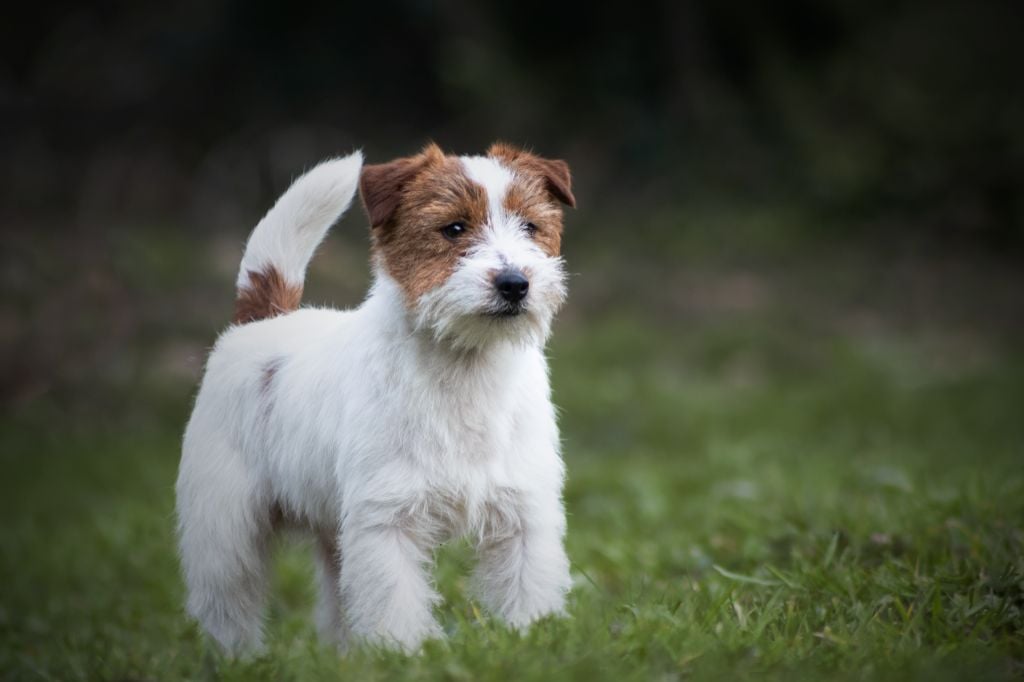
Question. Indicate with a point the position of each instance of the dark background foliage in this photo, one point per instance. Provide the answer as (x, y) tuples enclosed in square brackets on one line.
[(136, 133), (906, 110)]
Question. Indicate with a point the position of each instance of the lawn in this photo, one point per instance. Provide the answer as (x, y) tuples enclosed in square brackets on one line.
[(751, 492)]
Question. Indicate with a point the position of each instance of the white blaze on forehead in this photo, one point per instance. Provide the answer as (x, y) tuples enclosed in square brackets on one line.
[(493, 177)]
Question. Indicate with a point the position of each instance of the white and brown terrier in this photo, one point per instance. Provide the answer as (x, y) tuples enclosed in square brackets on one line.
[(422, 415)]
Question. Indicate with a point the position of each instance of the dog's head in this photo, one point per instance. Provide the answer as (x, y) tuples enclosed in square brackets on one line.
[(474, 242)]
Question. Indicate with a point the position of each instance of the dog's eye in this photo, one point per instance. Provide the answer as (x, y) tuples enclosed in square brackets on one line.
[(531, 229), (453, 231)]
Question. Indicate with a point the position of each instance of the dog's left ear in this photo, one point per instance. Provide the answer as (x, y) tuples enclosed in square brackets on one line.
[(554, 171)]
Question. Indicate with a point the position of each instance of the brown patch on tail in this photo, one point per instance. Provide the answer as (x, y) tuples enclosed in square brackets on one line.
[(268, 295)]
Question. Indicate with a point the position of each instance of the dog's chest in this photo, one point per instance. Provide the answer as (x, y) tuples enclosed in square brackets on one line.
[(442, 448), (460, 421), (465, 441)]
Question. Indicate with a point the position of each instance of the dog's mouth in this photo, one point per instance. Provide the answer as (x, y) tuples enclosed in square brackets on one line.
[(507, 310)]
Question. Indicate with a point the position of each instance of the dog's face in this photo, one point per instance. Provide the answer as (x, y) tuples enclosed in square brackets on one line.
[(473, 242)]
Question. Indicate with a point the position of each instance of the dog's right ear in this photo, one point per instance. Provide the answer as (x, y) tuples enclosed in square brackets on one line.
[(381, 185)]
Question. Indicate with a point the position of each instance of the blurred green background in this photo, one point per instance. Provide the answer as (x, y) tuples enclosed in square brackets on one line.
[(790, 369)]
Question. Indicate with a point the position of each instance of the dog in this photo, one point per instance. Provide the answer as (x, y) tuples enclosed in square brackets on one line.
[(423, 415)]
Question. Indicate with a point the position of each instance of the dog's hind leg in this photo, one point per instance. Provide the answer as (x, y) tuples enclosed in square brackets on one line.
[(224, 526), (330, 620)]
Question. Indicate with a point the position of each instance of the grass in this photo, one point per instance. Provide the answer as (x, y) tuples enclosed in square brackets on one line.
[(749, 494)]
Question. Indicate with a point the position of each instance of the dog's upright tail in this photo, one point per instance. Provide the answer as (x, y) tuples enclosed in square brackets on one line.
[(279, 249)]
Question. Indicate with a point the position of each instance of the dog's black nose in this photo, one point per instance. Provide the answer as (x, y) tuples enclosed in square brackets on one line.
[(512, 285)]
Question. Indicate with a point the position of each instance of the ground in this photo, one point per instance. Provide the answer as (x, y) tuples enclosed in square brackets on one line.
[(770, 474)]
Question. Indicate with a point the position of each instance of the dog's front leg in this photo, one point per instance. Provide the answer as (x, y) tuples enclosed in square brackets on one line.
[(523, 571), (385, 583)]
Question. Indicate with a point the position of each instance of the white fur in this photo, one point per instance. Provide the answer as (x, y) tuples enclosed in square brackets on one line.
[(385, 431), (289, 233), (492, 175)]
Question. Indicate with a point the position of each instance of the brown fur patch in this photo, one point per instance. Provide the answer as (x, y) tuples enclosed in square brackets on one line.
[(554, 172), (528, 198), (267, 295), (269, 372), (409, 241), (381, 185)]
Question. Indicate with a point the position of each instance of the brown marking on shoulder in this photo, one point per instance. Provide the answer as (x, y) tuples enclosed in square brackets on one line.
[(267, 295), (266, 394), (268, 374), (409, 201)]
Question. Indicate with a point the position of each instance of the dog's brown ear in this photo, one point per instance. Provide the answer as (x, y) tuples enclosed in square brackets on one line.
[(554, 171), (381, 185)]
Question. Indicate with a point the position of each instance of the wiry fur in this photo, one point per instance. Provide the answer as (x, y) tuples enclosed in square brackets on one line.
[(383, 430)]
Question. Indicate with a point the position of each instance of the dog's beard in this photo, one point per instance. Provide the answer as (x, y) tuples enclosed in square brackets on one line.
[(467, 313)]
